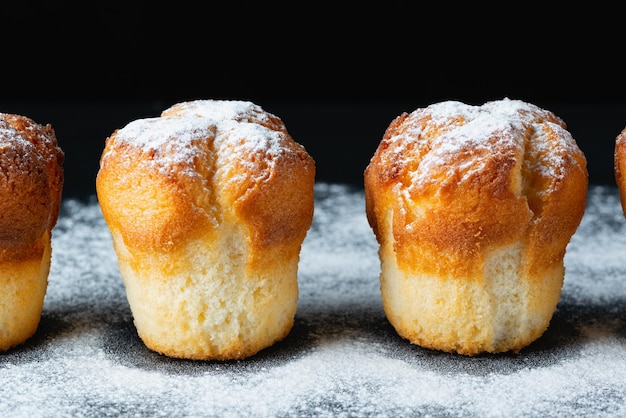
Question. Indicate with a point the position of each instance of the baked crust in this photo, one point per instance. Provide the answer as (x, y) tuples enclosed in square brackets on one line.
[(31, 174), (204, 171), (31, 182), (208, 205), (620, 167), (451, 184), (524, 180)]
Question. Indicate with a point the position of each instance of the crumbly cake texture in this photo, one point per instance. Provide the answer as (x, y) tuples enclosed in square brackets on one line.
[(208, 205), (473, 207), (31, 182)]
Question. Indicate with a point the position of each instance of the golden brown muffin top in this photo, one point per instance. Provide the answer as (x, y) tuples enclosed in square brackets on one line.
[(199, 163), (31, 180), (466, 177)]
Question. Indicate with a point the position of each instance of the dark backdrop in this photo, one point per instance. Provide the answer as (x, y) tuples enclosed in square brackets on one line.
[(336, 73)]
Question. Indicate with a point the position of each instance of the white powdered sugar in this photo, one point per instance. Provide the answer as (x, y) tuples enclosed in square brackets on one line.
[(452, 141), (342, 358), (222, 110), (170, 142), (223, 132), (11, 139), (9, 134)]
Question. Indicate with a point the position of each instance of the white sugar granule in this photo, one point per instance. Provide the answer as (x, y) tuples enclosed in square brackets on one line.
[(342, 359), (597, 252)]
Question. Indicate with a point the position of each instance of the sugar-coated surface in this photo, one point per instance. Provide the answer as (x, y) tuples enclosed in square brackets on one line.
[(462, 131), (11, 139), (342, 359), (227, 127)]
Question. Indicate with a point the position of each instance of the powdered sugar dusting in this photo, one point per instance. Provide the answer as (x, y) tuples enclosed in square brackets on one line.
[(12, 139), (222, 110), (18, 158), (341, 359), (226, 132), (9, 134), (168, 141), (237, 139), (453, 141)]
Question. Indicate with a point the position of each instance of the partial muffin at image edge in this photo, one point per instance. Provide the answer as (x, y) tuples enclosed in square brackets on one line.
[(620, 166), (208, 205), (473, 208), (31, 183)]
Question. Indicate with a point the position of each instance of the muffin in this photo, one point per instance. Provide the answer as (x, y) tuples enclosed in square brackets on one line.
[(31, 183), (473, 207), (208, 205)]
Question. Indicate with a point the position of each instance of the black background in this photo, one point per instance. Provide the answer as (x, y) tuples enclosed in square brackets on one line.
[(335, 73)]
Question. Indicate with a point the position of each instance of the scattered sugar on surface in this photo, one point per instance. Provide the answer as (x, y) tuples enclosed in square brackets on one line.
[(598, 250), (342, 359)]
